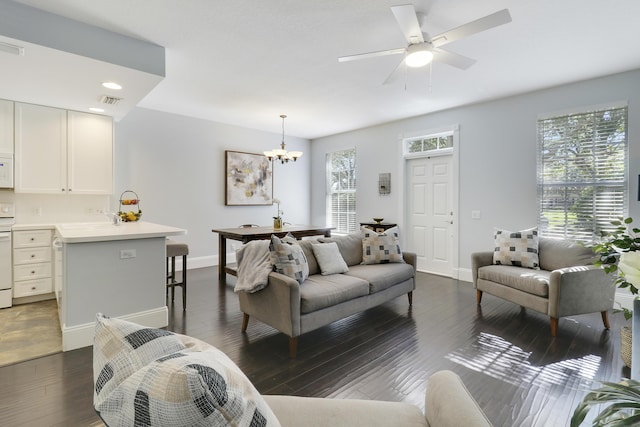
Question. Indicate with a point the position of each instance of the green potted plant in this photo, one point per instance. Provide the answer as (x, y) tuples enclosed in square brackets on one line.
[(624, 405), (619, 253)]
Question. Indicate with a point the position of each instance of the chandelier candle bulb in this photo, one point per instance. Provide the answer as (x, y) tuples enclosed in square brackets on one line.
[(281, 153)]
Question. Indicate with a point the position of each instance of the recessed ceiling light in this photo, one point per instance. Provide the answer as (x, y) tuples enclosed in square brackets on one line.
[(96, 110), (112, 85)]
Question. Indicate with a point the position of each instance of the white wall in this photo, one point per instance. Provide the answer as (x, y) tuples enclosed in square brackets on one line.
[(176, 165), (497, 154)]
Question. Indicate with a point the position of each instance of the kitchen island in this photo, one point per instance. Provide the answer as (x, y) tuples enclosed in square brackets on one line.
[(117, 270)]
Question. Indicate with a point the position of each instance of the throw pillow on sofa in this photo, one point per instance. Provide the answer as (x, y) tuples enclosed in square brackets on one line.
[(194, 385), (518, 248), (288, 257), (329, 258), (381, 248)]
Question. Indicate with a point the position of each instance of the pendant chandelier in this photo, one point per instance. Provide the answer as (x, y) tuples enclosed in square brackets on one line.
[(281, 153)]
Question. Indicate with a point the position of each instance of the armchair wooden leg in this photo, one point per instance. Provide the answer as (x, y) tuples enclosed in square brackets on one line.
[(410, 296), (478, 297), (554, 326), (605, 319), (293, 347), (245, 322)]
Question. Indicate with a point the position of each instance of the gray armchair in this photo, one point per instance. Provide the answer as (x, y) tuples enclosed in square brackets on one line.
[(567, 283)]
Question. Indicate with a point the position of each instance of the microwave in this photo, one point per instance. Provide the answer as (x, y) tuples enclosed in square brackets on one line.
[(6, 171)]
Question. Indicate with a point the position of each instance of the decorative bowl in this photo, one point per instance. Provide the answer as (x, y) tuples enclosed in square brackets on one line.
[(378, 220)]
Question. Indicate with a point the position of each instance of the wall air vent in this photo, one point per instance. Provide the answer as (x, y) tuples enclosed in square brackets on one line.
[(11, 48), (110, 100)]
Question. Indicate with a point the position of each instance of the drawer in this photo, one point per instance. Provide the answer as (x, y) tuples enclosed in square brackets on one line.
[(32, 255), (31, 238), (31, 271), (32, 287)]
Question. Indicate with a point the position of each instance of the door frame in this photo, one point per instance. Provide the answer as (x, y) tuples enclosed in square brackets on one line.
[(455, 186)]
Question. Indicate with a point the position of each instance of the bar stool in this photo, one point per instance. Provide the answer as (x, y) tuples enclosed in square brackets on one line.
[(175, 249)]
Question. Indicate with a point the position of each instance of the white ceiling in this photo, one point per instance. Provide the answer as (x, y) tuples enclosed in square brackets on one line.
[(246, 62)]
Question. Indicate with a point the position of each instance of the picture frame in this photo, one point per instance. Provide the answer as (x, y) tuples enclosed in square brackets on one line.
[(248, 179)]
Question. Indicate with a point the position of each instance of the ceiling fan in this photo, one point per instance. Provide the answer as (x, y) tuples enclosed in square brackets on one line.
[(423, 49)]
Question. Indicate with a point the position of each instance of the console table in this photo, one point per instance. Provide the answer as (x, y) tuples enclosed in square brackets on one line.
[(247, 234), (378, 227)]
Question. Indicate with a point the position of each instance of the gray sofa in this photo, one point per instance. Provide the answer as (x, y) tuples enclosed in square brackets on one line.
[(566, 284), (295, 309)]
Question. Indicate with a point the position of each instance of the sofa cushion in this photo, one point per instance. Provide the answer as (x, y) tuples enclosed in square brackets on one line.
[(195, 385), (288, 258), (519, 248), (306, 245), (350, 246), (531, 281), (329, 258), (381, 248), (318, 291), (560, 253), (382, 276)]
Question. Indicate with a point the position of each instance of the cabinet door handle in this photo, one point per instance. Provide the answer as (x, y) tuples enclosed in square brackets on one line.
[(33, 288), (33, 238), (33, 255), (33, 272), (62, 189)]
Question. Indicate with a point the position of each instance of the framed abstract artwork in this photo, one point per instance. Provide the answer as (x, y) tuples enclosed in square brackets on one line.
[(248, 180)]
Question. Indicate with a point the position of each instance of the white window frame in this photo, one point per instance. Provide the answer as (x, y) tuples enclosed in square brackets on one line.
[(406, 143), (351, 216), (574, 229)]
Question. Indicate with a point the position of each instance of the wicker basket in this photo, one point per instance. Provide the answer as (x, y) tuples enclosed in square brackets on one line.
[(625, 345)]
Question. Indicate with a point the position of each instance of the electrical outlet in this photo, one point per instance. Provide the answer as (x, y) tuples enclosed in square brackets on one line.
[(38, 211), (475, 214), (127, 253)]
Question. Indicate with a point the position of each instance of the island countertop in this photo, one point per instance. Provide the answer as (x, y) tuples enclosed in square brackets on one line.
[(80, 232)]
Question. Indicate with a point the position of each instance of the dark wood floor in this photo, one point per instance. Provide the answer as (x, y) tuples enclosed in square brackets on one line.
[(517, 372)]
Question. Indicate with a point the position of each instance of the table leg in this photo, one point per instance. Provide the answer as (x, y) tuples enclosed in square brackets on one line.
[(222, 259)]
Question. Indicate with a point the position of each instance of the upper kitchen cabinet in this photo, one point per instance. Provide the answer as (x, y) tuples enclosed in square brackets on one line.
[(6, 127), (62, 152), (90, 153)]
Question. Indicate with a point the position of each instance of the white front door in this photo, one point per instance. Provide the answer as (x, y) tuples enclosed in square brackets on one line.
[(430, 192)]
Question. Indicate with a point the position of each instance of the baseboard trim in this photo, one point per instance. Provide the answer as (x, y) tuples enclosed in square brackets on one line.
[(79, 336), (203, 261)]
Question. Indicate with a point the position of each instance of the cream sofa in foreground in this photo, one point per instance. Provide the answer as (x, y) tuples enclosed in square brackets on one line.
[(566, 284), (153, 377)]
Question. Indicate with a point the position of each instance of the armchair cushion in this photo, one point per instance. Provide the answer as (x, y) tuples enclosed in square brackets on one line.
[(559, 253), (534, 282), (519, 248)]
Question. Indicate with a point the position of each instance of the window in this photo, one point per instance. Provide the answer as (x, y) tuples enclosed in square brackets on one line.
[(341, 190), (437, 143), (582, 173)]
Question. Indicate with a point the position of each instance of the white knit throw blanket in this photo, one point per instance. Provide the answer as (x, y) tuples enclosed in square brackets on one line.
[(254, 266)]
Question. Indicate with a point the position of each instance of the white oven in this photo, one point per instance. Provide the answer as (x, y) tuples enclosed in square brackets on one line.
[(6, 280)]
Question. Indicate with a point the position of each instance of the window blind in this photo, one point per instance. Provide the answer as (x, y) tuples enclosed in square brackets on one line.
[(341, 190), (582, 173)]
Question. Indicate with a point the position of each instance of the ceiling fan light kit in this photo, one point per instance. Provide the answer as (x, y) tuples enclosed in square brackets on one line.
[(418, 55)]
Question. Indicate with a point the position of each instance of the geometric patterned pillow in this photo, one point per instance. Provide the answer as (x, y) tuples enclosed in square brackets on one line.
[(197, 385), (381, 248), (288, 257), (519, 248)]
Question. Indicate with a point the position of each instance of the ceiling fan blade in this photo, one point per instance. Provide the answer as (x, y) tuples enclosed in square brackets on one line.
[(394, 74), (473, 27), (372, 54), (408, 21), (453, 59)]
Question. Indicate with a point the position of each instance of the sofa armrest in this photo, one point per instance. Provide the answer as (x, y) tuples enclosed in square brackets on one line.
[(448, 403), (410, 258), (578, 290), (277, 305), (479, 259)]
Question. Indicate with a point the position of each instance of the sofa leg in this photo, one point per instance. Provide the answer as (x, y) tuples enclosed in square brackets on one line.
[(245, 322), (554, 326), (605, 319), (293, 347), (410, 296), (478, 297)]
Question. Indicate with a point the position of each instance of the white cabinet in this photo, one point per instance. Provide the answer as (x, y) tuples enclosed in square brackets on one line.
[(6, 127), (62, 152), (31, 263)]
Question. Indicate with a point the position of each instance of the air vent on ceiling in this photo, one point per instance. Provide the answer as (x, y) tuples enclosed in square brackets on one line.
[(11, 48), (110, 100)]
